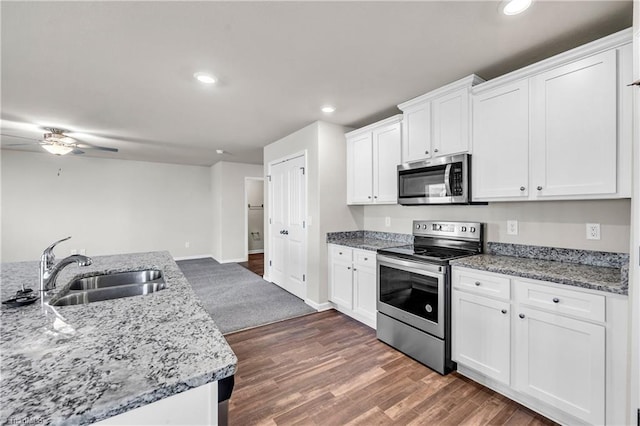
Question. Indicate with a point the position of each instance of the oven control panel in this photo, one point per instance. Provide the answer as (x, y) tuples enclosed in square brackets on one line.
[(457, 230)]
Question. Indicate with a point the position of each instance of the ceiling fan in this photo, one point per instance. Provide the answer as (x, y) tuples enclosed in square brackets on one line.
[(56, 142)]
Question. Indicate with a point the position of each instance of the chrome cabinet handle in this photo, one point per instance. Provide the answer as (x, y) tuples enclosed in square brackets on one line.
[(477, 283), (539, 188), (522, 188), (521, 315), (504, 311), (556, 300)]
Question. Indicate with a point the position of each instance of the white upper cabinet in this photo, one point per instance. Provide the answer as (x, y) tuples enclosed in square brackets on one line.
[(501, 142), (373, 155), (574, 128), (559, 129), (437, 123)]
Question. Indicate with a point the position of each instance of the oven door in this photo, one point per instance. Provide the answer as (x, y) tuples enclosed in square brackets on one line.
[(413, 293)]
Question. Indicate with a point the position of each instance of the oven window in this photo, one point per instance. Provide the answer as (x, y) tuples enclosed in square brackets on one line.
[(413, 293), (428, 182)]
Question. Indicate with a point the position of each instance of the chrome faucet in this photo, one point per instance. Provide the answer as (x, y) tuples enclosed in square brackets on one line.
[(49, 271)]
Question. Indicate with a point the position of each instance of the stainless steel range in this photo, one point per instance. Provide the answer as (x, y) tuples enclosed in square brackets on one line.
[(414, 290)]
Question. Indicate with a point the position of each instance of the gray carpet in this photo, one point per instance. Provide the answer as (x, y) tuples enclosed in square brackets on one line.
[(236, 298)]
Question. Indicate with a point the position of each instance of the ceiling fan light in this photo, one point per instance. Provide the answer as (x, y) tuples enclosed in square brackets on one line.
[(57, 149)]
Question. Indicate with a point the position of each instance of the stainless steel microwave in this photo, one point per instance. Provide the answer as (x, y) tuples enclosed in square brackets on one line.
[(442, 180)]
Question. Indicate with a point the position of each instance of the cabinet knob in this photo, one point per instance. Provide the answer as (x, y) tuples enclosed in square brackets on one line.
[(504, 311), (539, 188), (521, 315), (375, 196), (354, 269), (478, 283), (340, 253), (556, 300), (348, 267), (522, 188), (426, 152), (369, 197), (435, 150), (366, 258)]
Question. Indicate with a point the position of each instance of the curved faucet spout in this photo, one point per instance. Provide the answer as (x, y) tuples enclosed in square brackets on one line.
[(49, 275)]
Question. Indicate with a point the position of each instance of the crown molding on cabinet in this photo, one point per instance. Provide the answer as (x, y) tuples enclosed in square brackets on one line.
[(468, 81), (391, 120), (609, 42)]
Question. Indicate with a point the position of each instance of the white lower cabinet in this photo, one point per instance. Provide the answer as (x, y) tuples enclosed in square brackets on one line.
[(352, 282), (548, 346)]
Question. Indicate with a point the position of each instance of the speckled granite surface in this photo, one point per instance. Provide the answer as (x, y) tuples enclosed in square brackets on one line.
[(369, 240), (612, 279), (81, 364)]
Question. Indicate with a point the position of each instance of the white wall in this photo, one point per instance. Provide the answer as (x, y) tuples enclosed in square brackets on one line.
[(107, 206), (229, 209), (548, 223), (324, 144)]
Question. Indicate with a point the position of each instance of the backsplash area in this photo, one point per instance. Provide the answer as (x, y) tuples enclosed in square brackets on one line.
[(540, 223)]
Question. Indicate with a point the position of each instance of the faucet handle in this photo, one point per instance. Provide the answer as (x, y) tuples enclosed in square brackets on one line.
[(47, 254)]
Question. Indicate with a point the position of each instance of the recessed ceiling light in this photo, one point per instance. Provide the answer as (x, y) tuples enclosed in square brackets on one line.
[(328, 109), (219, 151), (205, 78), (513, 7)]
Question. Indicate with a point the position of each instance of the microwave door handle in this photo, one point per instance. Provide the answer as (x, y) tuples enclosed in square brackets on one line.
[(447, 179)]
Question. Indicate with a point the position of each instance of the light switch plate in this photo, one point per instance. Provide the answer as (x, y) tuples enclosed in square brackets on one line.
[(512, 227)]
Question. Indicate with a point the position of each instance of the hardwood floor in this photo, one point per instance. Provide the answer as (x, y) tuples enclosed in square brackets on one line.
[(328, 369), (255, 263)]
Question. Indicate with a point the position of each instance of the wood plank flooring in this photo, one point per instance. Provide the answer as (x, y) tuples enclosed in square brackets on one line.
[(255, 263), (328, 369)]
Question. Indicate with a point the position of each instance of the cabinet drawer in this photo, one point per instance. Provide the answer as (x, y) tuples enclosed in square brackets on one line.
[(561, 301), (364, 259), (481, 283), (342, 253)]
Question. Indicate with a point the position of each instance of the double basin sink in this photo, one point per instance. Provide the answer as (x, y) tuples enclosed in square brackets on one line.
[(101, 287)]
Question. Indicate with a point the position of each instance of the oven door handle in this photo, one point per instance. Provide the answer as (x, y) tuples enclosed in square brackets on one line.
[(417, 267), (447, 179)]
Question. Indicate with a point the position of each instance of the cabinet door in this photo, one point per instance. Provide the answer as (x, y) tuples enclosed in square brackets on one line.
[(574, 137), (500, 168), (481, 335), (364, 286), (341, 285), (561, 361), (416, 133), (360, 169), (386, 157), (451, 123)]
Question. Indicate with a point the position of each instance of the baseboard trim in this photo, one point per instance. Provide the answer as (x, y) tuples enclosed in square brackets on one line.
[(238, 260), (198, 256), (256, 251), (318, 306)]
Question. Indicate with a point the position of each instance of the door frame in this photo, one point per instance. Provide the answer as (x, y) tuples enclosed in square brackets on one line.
[(269, 197), (246, 214)]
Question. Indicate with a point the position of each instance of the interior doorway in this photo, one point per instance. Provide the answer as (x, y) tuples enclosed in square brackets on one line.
[(254, 222)]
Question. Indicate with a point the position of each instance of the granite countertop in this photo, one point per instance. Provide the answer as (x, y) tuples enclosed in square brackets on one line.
[(369, 240), (601, 278), (81, 364)]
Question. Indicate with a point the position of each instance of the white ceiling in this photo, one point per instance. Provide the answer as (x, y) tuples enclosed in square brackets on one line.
[(120, 74)]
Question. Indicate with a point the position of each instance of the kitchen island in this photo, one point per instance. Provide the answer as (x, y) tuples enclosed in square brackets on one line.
[(85, 363)]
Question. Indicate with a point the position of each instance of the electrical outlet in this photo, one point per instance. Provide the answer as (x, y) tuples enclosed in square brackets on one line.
[(83, 252), (73, 251), (512, 227), (387, 221), (593, 231), (187, 244)]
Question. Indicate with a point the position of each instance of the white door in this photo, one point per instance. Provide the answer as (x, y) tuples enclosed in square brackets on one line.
[(287, 258), (501, 143), (574, 128), (451, 123), (360, 169), (416, 133), (386, 157), (481, 332), (561, 361)]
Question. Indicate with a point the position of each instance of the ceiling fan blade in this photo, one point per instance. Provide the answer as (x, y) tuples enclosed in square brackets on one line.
[(101, 148), (22, 144), (19, 137)]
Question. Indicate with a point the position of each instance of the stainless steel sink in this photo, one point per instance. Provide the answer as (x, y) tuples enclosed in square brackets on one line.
[(97, 288), (117, 279)]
